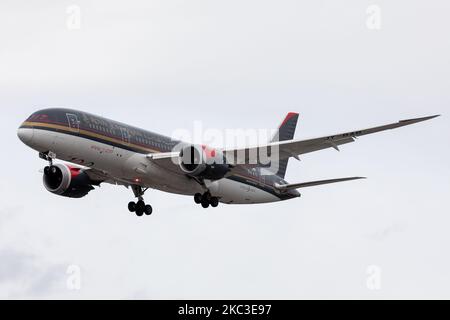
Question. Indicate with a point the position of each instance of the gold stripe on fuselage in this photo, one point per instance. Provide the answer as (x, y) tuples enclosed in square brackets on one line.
[(66, 129)]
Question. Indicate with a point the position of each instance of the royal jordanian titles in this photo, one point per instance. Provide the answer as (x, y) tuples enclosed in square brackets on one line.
[(96, 150)]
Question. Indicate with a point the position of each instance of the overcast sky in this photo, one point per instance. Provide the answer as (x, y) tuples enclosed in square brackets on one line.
[(162, 65)]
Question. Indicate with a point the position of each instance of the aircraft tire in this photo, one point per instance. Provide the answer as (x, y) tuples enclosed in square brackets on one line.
[(205, 204), (198, 198), (132, 206), (214, 202)]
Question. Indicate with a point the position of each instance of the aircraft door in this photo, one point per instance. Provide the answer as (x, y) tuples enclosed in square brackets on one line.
[(74, 123)]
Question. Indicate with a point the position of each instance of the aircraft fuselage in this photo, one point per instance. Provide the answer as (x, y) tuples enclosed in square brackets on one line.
[(120, 150)]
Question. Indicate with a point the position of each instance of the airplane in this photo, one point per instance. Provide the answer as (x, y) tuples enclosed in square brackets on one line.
[(96, 150)]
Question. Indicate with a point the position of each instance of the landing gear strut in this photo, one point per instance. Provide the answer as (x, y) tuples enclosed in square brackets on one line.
[(48, 156), (140, 208), (206, 200)]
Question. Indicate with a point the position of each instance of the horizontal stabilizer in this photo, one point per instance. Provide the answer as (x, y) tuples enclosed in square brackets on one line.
[(287, 187)]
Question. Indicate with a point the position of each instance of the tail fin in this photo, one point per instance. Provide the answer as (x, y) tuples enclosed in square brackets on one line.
[(286, 132)]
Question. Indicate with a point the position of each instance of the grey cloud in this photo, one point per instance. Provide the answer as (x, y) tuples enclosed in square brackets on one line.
[(37, 277), (388, 231)]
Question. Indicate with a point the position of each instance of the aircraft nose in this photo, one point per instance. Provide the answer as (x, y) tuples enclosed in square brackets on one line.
[(25, 135)]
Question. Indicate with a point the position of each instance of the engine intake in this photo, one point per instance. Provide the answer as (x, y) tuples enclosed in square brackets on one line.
[(67, 181), (200, 161)]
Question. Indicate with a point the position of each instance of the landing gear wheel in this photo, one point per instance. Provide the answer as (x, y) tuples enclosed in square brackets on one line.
[(148, 210), (140, 208), (205, 203), (132, 207), (140, 204), (198, 198), (214, 202)]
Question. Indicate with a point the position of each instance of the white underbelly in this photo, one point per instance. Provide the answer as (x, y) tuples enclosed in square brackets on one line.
[(117, 162), (234, 192), (122, 164)]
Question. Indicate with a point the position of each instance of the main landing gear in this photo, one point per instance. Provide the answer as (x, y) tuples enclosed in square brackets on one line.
[(140, 208), (206, 200)]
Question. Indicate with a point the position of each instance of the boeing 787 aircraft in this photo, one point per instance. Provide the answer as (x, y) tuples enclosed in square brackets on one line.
[(98, 150)]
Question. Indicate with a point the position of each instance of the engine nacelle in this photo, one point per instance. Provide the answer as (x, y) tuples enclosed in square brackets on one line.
[(67, 181), (202, 162)]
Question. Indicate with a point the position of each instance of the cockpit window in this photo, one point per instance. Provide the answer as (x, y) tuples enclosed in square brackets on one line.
[(39, 117)]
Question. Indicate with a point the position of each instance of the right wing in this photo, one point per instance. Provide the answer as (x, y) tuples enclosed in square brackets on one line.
[(167, 160), (98, 176)]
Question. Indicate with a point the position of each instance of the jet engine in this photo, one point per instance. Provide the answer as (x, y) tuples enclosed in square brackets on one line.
[(67, 181), (203, 162)]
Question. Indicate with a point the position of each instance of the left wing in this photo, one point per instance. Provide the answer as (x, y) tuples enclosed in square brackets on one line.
[(294, 148), (250, 157)]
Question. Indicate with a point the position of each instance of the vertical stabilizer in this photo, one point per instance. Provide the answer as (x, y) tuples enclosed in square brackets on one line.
[(286, 132)]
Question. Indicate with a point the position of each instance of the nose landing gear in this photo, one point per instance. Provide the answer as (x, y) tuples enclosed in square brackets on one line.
[(140, 208), (206, 200)]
